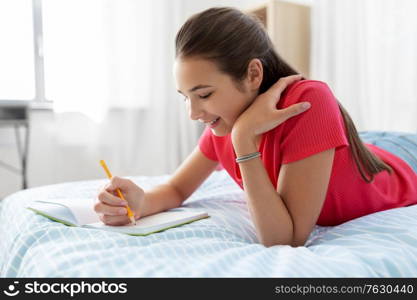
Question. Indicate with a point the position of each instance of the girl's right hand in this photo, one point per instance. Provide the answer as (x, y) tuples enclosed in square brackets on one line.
[(112, 209)]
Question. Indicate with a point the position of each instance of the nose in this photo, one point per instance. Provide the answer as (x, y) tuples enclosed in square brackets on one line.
[(194, 110)]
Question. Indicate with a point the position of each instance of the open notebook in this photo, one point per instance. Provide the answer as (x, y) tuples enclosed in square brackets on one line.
[(79, 212)]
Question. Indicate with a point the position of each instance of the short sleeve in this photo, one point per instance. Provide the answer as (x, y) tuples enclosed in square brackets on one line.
[(318, 129), (206, 144)]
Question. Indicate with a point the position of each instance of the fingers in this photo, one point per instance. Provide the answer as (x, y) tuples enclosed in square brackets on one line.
[(283, 83), (110, 208), (105, 209), (110, 199), (295, 109), (114, 220)]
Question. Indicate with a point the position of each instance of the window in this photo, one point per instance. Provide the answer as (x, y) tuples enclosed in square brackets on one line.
[(82, 55), (17, 66)]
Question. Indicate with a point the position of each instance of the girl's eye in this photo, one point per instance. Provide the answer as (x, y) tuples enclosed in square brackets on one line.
[(206, 96), (201, 97)]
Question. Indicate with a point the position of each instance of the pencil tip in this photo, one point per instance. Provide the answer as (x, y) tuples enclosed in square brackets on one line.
[(132, 219)]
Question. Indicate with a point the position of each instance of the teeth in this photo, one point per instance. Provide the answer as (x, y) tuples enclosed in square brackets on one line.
[(212, 122)]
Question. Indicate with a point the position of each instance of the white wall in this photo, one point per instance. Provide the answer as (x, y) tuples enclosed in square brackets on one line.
[(52, 162)]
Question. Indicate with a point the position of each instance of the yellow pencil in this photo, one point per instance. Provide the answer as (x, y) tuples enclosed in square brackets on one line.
[(129, 211)]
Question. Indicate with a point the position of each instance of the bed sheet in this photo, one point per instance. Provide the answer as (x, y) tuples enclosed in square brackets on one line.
[(383, 244)]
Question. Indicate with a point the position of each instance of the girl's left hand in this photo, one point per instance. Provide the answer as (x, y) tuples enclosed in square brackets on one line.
[(262, 115)]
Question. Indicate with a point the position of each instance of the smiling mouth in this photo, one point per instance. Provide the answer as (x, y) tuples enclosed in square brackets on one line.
[(214, 121)]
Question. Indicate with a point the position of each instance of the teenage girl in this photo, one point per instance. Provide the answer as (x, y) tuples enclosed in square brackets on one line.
[(298, 166)]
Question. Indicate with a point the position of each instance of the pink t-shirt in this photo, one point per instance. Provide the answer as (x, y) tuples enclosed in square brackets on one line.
[(318, 129)]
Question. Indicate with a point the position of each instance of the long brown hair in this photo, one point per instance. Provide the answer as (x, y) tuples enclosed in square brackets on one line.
[(231, 39)]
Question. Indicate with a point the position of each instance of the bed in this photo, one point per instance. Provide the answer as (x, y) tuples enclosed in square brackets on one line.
[(383, 244)]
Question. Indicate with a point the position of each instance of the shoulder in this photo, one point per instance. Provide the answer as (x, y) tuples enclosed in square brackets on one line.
[(306, 90), (307, 84)]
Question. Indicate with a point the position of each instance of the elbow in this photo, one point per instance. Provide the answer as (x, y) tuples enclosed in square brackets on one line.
[(268, 244), (282, 238), (297, 244), (276, 241), (283, 243)]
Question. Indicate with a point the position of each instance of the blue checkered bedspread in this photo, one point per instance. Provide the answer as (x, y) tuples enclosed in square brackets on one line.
[(383, 244)]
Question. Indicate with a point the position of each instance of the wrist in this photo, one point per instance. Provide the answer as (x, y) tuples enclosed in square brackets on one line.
[(239, 137), (141, 210), (243, 144)]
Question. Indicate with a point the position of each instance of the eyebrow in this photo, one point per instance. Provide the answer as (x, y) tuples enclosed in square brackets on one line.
[(197, 87)]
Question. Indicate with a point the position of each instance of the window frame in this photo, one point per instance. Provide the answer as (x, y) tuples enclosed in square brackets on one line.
[(39, 101)]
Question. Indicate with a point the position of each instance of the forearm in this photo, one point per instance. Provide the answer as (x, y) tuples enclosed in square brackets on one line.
[(271, 218), (161, 198)]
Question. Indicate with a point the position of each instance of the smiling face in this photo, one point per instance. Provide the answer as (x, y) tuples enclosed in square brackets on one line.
[(211, 94)]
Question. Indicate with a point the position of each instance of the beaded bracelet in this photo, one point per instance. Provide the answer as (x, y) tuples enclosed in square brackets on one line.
[(247, 157)]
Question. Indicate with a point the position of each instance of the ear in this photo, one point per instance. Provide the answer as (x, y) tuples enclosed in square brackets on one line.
[(254, 74)]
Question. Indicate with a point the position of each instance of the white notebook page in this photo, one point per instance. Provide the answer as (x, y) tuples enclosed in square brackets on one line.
[(155, 222), (81, 208)]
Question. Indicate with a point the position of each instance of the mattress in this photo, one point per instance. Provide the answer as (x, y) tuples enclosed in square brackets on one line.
[(382, 244)]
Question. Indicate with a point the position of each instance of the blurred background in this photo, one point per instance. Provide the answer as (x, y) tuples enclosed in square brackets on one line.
[(87, 80)]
